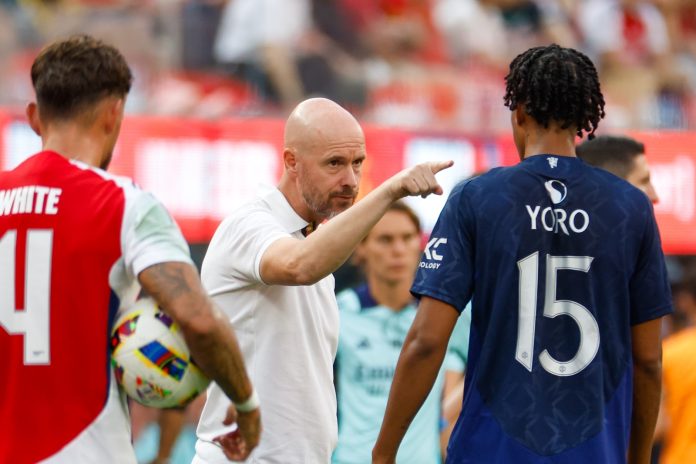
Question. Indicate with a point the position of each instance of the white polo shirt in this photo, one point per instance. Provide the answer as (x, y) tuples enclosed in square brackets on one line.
[(288, 335)]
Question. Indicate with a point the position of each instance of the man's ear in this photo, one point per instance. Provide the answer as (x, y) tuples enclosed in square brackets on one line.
[(290, 160), (113, 114), (520, 116), (32, 112)]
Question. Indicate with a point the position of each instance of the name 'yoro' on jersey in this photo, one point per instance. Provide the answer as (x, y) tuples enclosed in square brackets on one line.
[(561, 260)]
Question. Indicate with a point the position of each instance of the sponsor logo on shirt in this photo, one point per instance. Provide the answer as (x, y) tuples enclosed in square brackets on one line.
[(553, 161), (557, 219), (557, 190), (431, 253)]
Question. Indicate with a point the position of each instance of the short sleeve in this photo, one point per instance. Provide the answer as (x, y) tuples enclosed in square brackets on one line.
[(446, 268), (150, 235), (649, 286), (234, 256)]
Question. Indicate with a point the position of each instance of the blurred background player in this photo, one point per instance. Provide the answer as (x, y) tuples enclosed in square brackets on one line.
[(269, 267), (676, 429), (78, 241), (623, 157), (571, 373), (375, 318)]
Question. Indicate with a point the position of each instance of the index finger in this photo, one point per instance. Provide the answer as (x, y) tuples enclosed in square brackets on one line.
[(437, 166)]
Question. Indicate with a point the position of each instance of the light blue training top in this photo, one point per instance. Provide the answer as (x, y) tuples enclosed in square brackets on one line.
[(370, 341)]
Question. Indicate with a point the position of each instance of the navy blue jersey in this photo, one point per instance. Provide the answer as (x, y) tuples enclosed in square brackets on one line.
[(563, 258)]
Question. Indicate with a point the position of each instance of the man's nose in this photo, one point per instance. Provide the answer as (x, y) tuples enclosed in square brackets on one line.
[(351, 178)]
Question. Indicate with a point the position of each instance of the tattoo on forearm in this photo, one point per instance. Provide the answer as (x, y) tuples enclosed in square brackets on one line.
[(217, 352), (166, 281)]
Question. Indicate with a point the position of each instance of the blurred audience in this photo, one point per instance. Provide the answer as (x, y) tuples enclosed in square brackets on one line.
[(276, 46), (630, 42), (413, 63)]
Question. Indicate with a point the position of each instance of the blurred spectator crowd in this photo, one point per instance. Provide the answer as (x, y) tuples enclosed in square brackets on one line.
[(412, 63)]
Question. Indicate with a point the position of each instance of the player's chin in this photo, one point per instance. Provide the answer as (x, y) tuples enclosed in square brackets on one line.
[(340, 204)]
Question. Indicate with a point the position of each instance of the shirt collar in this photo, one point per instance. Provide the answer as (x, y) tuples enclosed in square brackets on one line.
[(283, 212)]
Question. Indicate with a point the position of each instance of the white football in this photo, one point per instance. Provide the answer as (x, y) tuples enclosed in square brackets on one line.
[(151, 360)]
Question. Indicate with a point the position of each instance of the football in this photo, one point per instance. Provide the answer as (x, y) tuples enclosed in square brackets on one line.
[(151, 360)]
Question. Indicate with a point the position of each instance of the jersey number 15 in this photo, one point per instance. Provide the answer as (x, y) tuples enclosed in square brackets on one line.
[(528, 289)]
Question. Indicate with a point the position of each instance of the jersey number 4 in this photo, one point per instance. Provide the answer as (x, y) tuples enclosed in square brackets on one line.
[(33, 322), (589, 331)]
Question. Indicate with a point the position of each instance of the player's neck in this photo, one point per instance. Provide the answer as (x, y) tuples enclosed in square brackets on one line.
[(551, 141), (74, 142), (395, 296)]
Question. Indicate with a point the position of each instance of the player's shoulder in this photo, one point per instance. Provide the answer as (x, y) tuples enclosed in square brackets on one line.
[(248, 215), (348, 301), (602, 175), (356, 300), (617, 187), (138, 202), (62, 170), (471, 189), (99, 175), (488, 179)]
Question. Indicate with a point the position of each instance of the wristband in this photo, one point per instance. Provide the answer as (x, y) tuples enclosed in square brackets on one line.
[(250, 404)]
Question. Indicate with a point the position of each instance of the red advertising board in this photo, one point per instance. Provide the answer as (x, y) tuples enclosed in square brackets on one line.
[(203, 170)]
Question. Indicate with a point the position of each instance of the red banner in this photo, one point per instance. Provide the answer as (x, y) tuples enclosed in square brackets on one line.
[(203, 170)]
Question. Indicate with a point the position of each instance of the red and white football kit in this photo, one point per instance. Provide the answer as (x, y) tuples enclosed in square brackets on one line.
[(72, 241)]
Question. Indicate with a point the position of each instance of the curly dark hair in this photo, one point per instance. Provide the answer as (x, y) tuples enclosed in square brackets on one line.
[(71, 75), (553, 83)]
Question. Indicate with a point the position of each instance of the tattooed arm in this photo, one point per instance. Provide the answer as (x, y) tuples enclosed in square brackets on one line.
[(177, 289)]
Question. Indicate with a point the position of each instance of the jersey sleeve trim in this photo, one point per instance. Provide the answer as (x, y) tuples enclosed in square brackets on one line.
[(420, 291), (653, 314)]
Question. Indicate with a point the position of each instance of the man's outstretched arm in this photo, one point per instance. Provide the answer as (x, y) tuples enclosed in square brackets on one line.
[(419, 363), (289, 261)]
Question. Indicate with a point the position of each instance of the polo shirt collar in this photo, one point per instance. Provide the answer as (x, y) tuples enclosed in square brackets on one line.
[(283, 212)]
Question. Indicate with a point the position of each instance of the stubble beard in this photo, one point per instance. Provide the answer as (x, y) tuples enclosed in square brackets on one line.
[(322, 207)]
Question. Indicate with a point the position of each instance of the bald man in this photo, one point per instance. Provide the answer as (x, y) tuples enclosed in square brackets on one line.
[(270, 271)]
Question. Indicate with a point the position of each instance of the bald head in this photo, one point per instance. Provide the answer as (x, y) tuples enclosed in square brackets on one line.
[(323, 155), (320, 123)]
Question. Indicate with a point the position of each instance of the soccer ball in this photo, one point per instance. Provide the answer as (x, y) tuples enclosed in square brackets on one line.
[(151, 360)]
